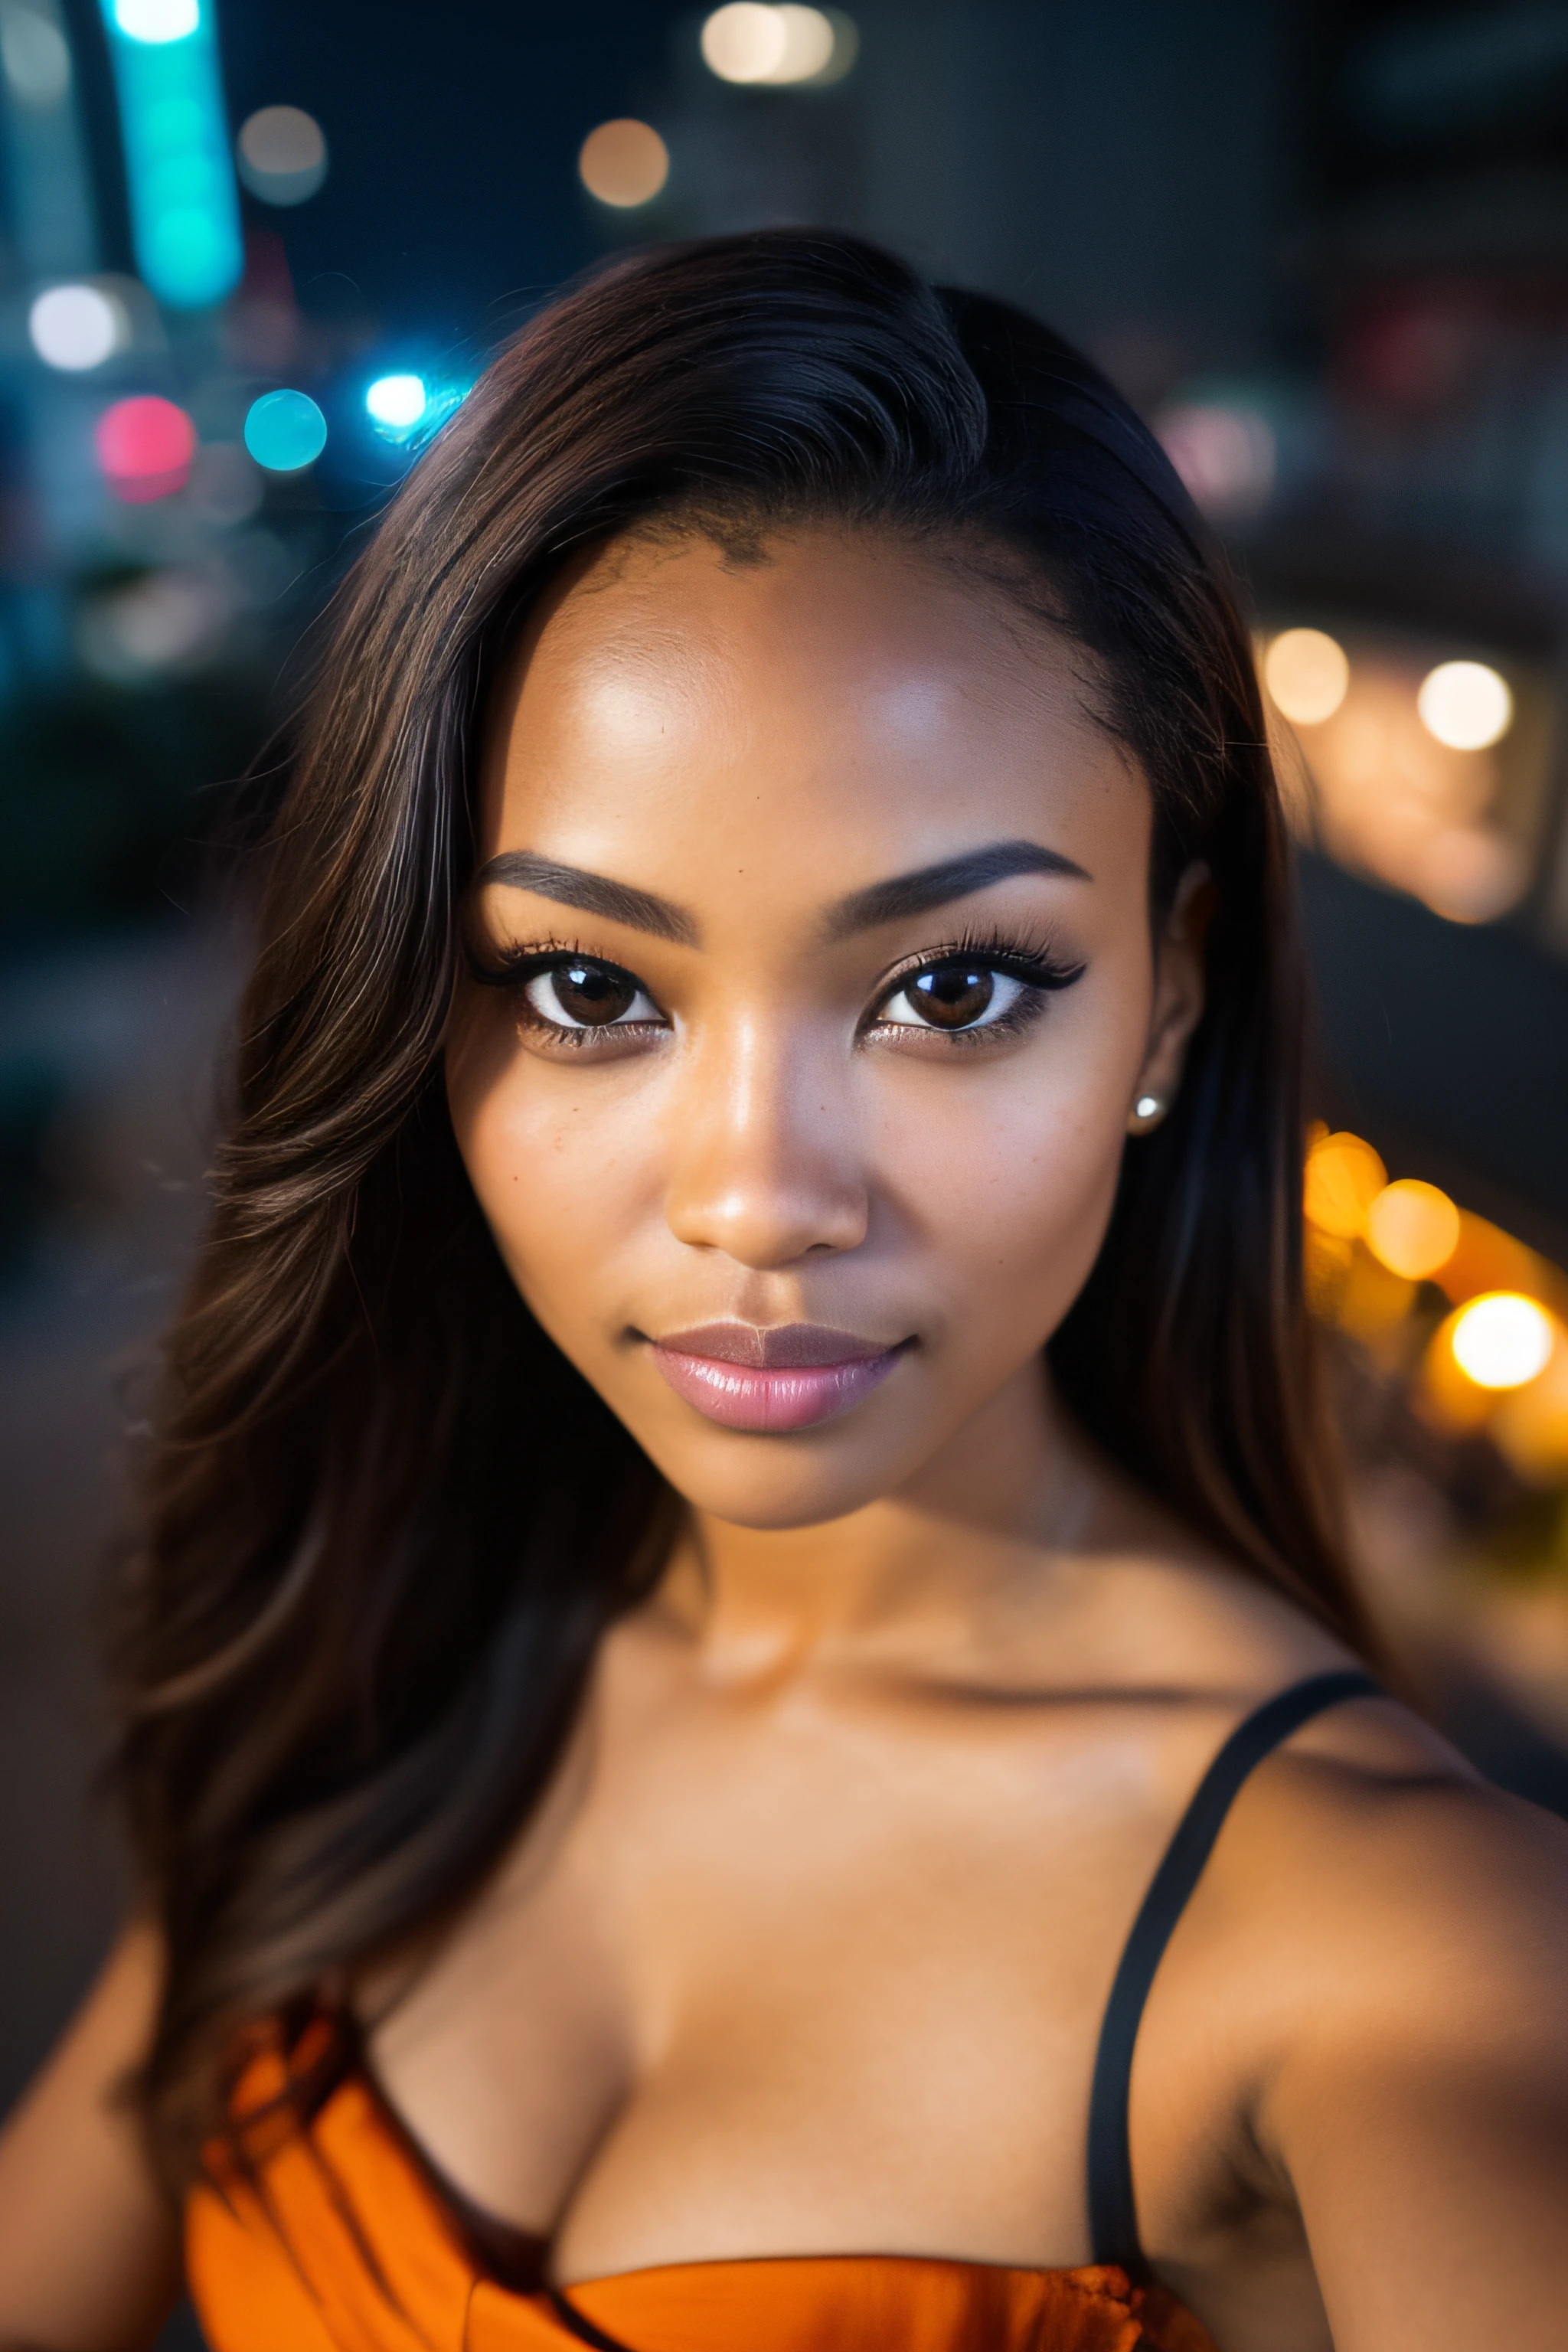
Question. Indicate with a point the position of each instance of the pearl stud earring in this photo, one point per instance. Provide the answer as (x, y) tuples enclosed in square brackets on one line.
[(1147, 1112)]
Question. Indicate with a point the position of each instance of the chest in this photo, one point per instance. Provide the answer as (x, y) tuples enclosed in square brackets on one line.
[(821, 1982)]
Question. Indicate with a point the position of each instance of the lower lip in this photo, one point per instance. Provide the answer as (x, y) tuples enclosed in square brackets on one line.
[(737, 1396)]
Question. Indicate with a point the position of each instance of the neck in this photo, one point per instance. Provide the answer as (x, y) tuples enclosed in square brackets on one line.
[(927, 1566)]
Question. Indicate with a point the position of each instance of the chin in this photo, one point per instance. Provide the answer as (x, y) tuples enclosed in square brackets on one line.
[(778, 1483)]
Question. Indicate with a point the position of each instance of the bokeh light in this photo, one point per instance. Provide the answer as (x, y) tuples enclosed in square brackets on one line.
[(1501, 1339), (157, 21), (1226, 455), (1470, 873), (144, 445), (281, 154), (748, 43), (396, 403), (76, 327), (1485, 1258), (36, 62), (1344, 1177), (1388, 798), (1306, 673), (624, 163), (285, 431), (1412, 1228), (1531, 1426), (179, 165), (1465, 705), (172, 619), (742, 42)]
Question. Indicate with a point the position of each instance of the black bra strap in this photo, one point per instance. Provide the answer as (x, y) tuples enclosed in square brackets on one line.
[(1112, 2214)]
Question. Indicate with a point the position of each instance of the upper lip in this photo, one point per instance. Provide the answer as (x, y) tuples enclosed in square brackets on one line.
[(776, 1347)]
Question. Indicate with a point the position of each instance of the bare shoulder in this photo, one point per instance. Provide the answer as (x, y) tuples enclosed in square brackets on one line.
[(1363, 2003), (1372, 1841), (1371, 1882), (1392, 1937)]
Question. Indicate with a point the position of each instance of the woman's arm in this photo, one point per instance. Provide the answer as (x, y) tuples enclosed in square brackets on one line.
[(1422, 2117), (89, 2247)]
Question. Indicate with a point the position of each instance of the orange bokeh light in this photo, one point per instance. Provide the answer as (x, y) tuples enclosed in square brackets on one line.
[(1412, 1228), (1344, 1177)]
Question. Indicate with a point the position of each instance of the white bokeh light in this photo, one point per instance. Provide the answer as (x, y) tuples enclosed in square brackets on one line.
[(281, 154), (807, 44), (1306, 673), (399, 401), (745, 42), (35, 58), (1465, 705), (74, 327), (156, 21), (1502, 1341)]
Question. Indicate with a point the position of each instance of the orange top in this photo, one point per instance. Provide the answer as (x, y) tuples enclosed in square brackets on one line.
[(317, 2228), (326, 2236)]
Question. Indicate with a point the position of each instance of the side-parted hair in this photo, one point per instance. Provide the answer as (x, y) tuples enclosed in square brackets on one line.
[(387, 1523)]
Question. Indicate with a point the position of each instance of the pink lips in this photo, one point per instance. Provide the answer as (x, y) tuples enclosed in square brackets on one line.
[(792, 1376)]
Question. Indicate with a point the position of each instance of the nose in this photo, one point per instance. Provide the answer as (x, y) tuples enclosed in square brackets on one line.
[(765, 1163)]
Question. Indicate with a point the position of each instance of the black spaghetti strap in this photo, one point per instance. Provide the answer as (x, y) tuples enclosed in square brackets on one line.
[(1112, 2214), (578, 2323)]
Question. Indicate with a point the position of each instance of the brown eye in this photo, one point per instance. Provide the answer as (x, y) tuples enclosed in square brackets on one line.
[(953, 996), (582, 995)]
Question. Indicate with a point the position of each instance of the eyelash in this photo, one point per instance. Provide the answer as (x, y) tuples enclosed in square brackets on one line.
[(515, 967), (1032, 962)]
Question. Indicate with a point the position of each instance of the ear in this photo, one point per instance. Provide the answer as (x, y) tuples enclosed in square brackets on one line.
[(1178, 998)]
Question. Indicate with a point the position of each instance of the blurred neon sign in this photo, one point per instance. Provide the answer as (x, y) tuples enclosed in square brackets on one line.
[(184, 213)]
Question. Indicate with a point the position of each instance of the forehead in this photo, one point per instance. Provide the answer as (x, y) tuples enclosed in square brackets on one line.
[(838, 694)]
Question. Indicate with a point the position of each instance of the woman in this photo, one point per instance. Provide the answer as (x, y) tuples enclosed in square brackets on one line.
[(740, 1465)]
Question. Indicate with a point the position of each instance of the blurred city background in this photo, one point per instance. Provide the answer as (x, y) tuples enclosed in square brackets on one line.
[(253, 252)]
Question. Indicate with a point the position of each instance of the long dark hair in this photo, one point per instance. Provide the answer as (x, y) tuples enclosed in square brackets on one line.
[(388, 1523)]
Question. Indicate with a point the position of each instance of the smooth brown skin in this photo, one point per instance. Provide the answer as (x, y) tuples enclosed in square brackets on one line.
[(807, 1951)]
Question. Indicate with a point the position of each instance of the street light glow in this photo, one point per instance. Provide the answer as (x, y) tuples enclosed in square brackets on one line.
[(74, 327), (745, 42), (398, 401), (1465, 705), (1502, 1341), (157, 21), (1412, 1228), (1308, 675)]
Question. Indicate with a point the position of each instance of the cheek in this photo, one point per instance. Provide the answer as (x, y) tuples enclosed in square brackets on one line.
[(1005, 1180), (560, 1186)]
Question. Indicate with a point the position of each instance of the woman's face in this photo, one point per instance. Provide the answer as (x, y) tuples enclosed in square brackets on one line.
[(813, 989)]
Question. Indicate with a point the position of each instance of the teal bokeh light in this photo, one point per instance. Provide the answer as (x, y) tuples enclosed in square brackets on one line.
[(184, 212), (285, 431)]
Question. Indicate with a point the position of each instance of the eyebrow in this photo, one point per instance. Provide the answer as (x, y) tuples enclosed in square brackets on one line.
[(593, 894), (897, 900), (928, 886)]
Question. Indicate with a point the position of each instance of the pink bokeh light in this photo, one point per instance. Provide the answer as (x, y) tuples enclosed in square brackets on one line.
[(144, 445)]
